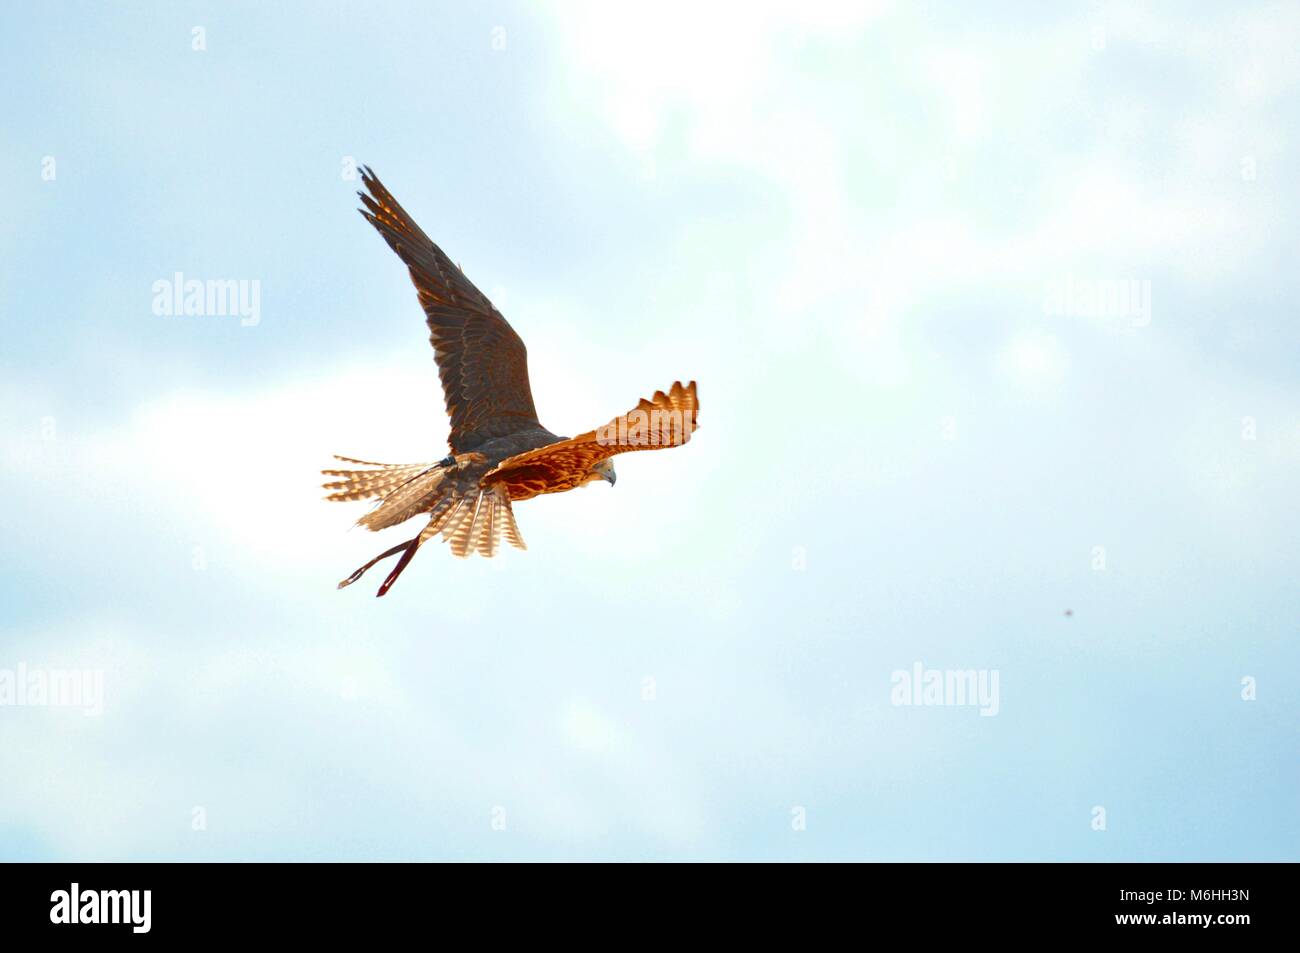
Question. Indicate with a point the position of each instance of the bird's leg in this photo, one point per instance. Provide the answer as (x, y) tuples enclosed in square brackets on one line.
[(409, 546)]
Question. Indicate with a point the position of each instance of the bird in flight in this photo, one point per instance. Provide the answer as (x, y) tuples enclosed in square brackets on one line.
[(500, 452)]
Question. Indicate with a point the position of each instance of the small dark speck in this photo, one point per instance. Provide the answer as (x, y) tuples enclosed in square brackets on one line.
[(1069, 612)]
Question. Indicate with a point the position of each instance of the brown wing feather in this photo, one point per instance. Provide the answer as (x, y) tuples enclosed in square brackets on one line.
[(664, 420), (482, 362)]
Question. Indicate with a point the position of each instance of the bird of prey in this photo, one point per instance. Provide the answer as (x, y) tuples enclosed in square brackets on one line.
[(500, 452)]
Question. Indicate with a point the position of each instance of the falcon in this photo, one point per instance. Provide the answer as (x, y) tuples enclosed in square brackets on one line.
[(500, 452)]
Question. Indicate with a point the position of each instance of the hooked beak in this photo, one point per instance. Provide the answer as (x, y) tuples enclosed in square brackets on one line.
[(605, 470)]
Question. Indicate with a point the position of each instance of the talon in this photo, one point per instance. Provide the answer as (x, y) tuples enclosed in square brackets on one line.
[(410, 546)]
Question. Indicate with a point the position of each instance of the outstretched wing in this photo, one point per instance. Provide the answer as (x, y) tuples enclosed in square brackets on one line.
[(665, 420), (482, 362)]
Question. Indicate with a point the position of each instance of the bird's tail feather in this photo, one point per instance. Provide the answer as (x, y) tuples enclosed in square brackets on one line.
[(475, 522), (378, 481), (404, 489), (471, 522)]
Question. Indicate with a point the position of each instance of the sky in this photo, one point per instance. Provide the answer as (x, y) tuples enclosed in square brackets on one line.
[(993, 316)]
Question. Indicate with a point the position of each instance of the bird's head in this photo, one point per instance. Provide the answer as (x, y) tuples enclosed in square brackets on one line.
[(604, 470)]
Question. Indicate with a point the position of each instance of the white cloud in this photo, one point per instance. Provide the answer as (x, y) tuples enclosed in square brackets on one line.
[(1034, 360)]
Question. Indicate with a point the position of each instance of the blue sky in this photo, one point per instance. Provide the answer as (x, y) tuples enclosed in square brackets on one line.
[(850, 226)]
